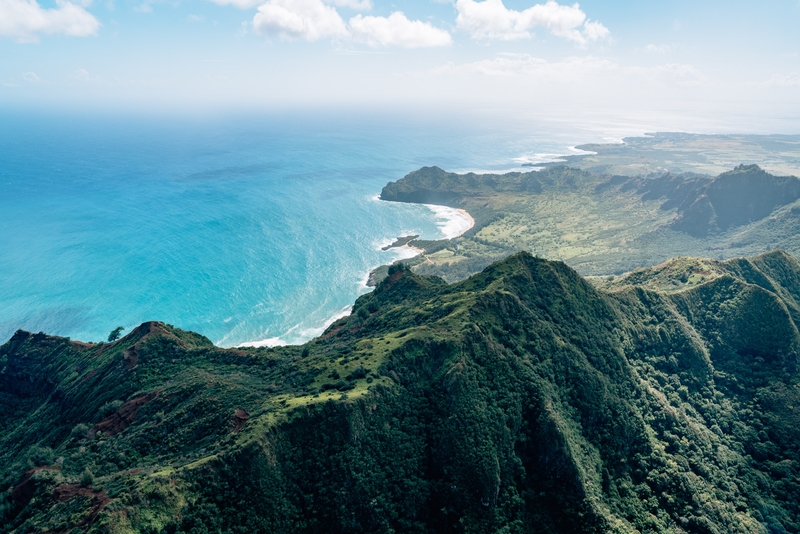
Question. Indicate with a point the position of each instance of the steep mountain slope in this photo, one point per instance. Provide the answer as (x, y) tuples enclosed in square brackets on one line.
[(523, 399)]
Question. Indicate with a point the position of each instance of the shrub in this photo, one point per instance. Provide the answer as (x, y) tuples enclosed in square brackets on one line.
[(40, 456), (396, 267), (87, 478), (109, 408), (79, 431), (358, 372)]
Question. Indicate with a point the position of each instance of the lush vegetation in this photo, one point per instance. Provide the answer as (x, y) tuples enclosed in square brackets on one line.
[(523, 399)]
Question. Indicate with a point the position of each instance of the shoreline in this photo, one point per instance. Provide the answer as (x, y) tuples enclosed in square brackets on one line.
[(276, 341), (451, 222), (457, 220), (466, 214)]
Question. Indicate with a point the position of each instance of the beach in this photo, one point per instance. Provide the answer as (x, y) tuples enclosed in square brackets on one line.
[(452, 222)]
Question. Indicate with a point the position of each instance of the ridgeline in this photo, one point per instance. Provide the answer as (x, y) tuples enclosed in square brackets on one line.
[(522, 399)]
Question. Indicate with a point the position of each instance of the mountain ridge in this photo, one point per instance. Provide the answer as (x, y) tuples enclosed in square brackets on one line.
[(523, 399)]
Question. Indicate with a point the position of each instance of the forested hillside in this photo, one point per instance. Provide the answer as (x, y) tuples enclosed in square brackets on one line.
[(523, 399)]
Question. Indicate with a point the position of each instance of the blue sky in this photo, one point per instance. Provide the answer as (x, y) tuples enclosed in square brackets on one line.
[(721, 57)]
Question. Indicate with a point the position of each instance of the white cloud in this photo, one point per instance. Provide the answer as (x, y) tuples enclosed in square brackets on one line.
[(783, 80), (541, 85), (309, 20), (82, 75), (397, 30), (674, 73), (593, 31), (360, 5), (144, 7), (31, 77), (567, 71), (491, 20), (574, 72), (25, 19), (241, 4)]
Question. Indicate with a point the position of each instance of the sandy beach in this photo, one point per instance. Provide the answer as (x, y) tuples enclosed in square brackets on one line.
[(469, 217), (452, 222)]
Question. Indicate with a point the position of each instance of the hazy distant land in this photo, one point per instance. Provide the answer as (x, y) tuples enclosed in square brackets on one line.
[(622, 206), (684, 152)]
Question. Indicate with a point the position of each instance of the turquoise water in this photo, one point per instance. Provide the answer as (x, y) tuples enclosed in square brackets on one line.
[(241, 228)]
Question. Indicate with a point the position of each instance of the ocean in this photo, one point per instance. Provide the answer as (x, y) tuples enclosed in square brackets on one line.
[(247, 229)]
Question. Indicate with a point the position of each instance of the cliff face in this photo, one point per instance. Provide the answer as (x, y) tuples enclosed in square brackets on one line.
[(522, 399)]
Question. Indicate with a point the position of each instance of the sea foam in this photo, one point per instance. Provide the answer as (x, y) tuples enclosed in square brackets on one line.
[(269, 342), (452, 222)]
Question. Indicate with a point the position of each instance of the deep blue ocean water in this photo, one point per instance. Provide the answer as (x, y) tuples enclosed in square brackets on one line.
[(240, 228)]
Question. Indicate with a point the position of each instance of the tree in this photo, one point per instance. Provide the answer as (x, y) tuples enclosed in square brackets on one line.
[(114, 335), (396, 267)]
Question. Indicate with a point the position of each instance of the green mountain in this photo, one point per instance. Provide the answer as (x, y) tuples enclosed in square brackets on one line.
[(523, 399)]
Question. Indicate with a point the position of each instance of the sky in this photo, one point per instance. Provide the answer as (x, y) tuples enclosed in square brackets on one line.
[(708, 57)]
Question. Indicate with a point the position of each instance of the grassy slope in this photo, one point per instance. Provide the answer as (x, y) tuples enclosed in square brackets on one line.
[(523, 399)]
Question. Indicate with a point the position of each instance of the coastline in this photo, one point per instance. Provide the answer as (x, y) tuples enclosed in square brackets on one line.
[(451, 222), (456, 221), (313, 331), (468, 216), (269, 342)]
